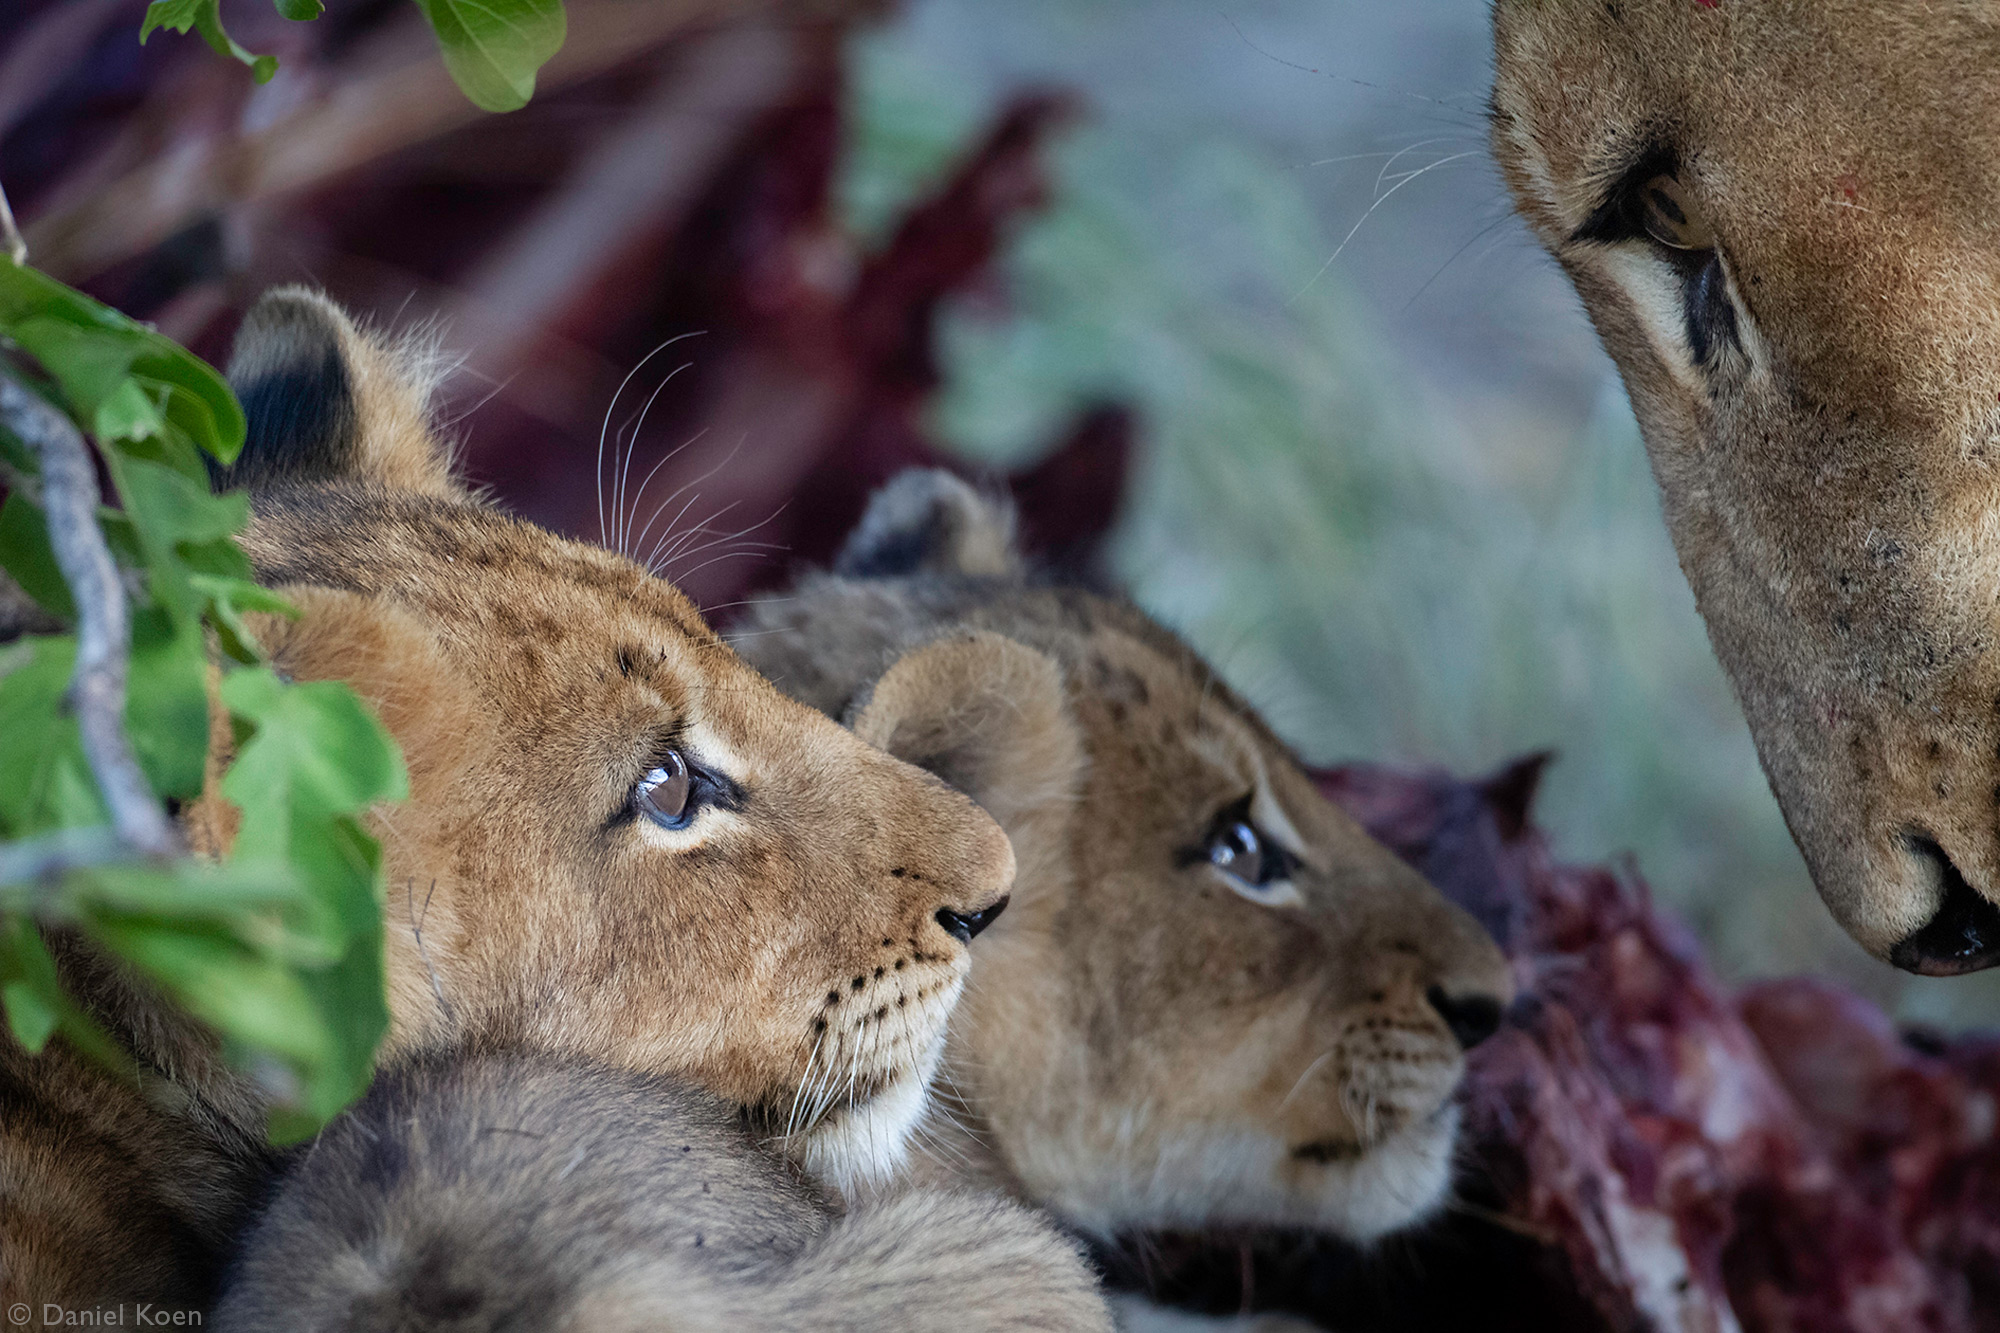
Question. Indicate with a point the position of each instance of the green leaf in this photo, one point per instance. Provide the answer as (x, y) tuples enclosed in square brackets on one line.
[(299, 11), (127, 414), (182, 529), (198, 399), (30, 1014), (26, 554), (229, 598), (166, 703), (89, 361), (190, 889), (204, 16), (317, 748), (355, 1003), (33, 995), (48, 783), (89, 348), (494, 47), (221, 980), (316, 760)]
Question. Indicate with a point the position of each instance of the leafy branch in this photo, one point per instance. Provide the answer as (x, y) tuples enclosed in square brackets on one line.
[(492, 47), (278, 948), (104, 626)]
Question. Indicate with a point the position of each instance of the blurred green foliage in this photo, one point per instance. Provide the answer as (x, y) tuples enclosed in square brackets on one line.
[(491, 47), (1381, 585), (279, 949)]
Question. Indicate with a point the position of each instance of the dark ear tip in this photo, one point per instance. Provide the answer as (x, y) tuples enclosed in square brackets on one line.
[(287, 326), (928, 521), (290, 369)]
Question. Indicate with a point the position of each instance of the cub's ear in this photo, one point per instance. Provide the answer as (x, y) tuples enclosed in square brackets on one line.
[(926, 521), (327, 401), (991, 717)]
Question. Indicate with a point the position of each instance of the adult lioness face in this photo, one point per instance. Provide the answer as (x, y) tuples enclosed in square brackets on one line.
[(1784, 219), (621, 841)]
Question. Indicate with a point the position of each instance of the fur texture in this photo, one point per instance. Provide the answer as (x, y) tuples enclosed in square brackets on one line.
[(1819, 386), (1146, 1042), (795, 948), (492, 1192)]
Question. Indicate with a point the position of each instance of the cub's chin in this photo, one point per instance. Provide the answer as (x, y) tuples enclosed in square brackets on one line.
[(1395, 1183), (1207, 1178), (864, 1143)]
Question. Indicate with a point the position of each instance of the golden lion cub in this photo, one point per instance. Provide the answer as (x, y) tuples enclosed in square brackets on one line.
[(1781, 216), (1215, 1000), (622, 844)]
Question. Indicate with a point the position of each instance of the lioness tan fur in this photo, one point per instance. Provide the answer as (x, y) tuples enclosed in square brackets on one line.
[(1147, 1040), (1781, 217), (809, 920)]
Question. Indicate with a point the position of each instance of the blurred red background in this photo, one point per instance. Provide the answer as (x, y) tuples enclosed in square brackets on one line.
[(660, 211)]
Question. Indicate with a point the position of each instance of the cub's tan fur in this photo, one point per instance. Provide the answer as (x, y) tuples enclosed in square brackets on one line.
[(1818, 379), (1143, 1044), (807, 921), (491, 1191)]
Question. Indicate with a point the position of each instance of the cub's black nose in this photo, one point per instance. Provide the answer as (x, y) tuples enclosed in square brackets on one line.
[(1471, 1018), (965, 925), (1963, 935)]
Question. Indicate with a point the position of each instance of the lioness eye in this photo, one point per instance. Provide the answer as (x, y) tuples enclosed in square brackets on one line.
[(663, 794), (1670, 217)]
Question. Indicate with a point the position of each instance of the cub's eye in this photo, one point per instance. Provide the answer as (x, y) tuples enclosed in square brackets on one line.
[(1237, 849), (1670, 217), (665, 795), (1251, 863)]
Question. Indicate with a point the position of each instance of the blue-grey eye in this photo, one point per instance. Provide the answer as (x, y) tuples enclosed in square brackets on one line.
[(665, 794), (1236, 848)]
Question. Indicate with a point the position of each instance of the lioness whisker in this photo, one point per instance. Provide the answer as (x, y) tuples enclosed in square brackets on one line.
[(1381, 200)]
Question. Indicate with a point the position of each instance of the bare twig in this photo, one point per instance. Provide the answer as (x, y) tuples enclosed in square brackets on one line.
[(36, 863), (10, 234), (104, 626)]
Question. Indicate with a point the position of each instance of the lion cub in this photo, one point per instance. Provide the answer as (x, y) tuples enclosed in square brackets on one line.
[(1215, 1000), (621, 845), (484, 1191)]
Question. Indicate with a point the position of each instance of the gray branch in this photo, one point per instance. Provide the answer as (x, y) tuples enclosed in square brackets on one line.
[(104, 625), (31, 869), (10, 235)]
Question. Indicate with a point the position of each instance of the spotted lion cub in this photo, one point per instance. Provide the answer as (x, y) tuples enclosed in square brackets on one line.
[(622, 846), (1215, 1000)]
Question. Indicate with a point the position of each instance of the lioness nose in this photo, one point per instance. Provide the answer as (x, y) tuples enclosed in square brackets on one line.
[(1471, 1018), (1963, 935), (964, 925)]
